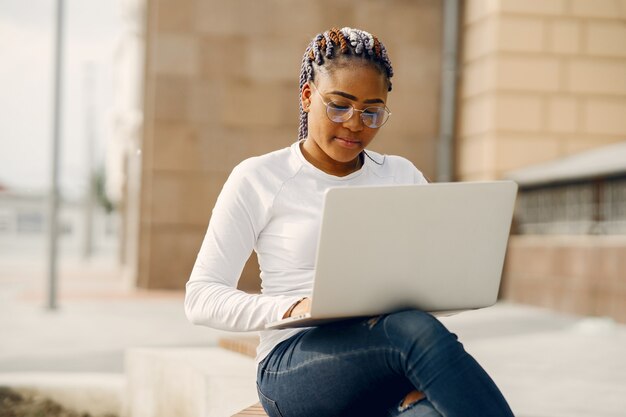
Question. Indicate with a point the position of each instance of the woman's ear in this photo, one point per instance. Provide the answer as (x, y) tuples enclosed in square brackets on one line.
[(305, 96)]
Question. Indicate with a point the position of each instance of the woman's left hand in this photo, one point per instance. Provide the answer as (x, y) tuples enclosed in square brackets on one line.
[(302, 306)]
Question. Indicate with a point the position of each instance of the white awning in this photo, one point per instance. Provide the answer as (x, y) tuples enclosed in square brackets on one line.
[(600, 162)]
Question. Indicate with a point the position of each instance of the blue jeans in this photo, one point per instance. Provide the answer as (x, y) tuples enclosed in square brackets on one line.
[(365, 367)]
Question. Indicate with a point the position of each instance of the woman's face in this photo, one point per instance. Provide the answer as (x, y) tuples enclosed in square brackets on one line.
[(334, 144)]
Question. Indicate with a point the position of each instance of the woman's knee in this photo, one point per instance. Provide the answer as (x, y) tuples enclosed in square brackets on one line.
[(420, 409)]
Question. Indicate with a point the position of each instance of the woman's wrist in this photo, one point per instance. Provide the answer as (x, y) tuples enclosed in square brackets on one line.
[(293, 306)]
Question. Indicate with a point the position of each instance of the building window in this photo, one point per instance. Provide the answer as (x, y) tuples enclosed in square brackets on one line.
[(586, 207)]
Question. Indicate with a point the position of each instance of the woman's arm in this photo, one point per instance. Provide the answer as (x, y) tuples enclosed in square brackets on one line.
[(211, 297)]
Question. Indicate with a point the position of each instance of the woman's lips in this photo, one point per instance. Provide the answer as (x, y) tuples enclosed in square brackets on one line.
[(348, 143)]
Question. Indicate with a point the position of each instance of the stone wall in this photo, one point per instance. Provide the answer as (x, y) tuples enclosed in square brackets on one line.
[(221, 84), (541, 79), (574, 274)]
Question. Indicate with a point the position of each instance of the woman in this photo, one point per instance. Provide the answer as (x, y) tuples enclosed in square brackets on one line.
[(405, 363)]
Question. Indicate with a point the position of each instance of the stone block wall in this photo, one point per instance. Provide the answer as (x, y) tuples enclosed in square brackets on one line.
[(221, 85), (574, 274), (541, 79)]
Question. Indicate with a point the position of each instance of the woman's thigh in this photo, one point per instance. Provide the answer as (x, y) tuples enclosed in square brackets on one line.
[(345, 368)]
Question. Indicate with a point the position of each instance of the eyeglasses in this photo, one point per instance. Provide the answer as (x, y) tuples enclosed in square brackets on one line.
[(340, 112)]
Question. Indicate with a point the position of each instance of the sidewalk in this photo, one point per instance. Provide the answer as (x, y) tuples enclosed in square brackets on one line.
[(547, 364), (99, 316)]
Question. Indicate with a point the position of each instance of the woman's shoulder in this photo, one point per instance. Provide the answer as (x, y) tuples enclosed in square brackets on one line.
[(276, 165)]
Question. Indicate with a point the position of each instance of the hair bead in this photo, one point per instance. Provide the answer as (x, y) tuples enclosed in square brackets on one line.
[(328, 43)]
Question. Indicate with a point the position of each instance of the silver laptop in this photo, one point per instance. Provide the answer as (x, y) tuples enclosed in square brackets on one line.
[(436, 247)]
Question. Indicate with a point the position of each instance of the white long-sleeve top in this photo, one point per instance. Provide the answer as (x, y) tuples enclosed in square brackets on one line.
[(271, 204)]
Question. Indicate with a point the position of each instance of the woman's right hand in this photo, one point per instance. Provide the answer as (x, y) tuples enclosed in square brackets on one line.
[(301, 307)]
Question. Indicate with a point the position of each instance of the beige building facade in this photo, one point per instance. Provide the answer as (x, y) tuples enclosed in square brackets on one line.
[(542, 80), (221, 85), (538, 80)]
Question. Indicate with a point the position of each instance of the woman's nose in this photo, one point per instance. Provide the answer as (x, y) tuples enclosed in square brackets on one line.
[(354, 123)]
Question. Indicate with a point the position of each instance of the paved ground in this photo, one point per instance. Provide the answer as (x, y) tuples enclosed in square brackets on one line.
[(99, 316), (547, 364)]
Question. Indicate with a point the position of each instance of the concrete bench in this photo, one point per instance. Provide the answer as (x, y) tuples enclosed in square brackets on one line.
[(246, 346), (194, 382)]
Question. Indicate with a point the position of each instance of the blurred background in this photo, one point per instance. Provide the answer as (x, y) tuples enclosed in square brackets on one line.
[(88, 218), (160, 99)]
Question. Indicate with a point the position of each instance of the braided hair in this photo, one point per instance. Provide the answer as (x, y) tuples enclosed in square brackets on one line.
[(338, 43)]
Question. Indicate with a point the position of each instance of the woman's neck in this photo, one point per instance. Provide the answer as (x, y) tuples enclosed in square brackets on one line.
[(328, 165)]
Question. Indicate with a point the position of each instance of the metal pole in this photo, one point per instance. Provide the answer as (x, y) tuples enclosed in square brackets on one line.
[(445, 154), (89, 199), (53, 221)]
